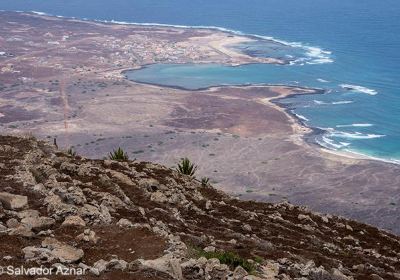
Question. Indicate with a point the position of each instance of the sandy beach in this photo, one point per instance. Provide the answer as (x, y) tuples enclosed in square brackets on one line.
[(66, 80)]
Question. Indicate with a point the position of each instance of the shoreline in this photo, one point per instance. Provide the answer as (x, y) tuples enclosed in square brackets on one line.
[(72, 87), (315, 52), (308, 138)]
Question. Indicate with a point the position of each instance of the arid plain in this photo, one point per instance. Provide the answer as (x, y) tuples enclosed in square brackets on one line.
[(63, 78)]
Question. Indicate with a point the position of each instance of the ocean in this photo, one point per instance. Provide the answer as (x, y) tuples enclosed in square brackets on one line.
[(349, 48)]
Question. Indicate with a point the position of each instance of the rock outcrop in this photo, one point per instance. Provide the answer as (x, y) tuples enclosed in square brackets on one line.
[(138, 220)]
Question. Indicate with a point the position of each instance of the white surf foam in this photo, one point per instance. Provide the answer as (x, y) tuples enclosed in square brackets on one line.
[(355, 125), (354, 135), (40, 13), (342, 102), (322, 81), (303, 118), (361, 89), (333, 103), (329, 143)]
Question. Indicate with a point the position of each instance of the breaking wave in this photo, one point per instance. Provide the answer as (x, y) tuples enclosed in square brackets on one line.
[(318, 102), (353, 135), (361, 89), (355, 125)]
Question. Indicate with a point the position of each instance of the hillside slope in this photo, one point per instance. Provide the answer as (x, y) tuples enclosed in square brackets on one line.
[(137, 220)]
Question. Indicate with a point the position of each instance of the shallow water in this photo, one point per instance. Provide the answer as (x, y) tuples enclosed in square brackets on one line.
[(357, 43)]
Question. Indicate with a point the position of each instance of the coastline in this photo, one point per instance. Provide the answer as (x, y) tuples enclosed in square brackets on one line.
[(73, 88), (223, 46), (308, 133)]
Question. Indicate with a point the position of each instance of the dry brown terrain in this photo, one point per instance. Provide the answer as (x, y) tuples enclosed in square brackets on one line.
[(62, 78), (138, 220)]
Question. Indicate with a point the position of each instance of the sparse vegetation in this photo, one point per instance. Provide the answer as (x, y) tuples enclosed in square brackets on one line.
[(186, 167), (118, 155), (229, 258), (205, 181), (71, 152)]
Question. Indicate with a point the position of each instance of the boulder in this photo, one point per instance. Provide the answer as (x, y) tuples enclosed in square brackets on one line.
[(246, 227), (61, 251), (13, 223), (117, 264), (209, 249), (21, 231), (13, 201), (239, 273), (3, 227), (124, 223), (158, 197), (100, 265), (57, 208), (167, 264), (28, 213), (73, 221), (88, 236), (38, 223)]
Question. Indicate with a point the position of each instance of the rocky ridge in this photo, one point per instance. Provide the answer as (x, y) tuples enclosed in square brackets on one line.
[(138, 220)]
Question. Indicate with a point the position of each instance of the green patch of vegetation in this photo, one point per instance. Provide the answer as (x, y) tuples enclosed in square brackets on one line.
[(71, 152), (249, 191), (205, 181), (258, 259), (229, 258), (186, 167), (118, 155)]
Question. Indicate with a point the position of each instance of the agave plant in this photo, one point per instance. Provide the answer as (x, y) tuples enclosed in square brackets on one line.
[(205, 181), (187, 167), (71, 152), (118, 155)]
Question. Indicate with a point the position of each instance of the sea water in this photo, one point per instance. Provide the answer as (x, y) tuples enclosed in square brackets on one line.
[(349, 48)]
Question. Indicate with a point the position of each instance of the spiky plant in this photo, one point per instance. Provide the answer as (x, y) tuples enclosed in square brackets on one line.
[(71, 152), (205, 181), (118, 155), (186, 167)]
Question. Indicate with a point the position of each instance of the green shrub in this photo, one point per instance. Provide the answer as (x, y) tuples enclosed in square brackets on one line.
[(118, 155), (186, 167), (71, 152), (205, 181), (229, 258)]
